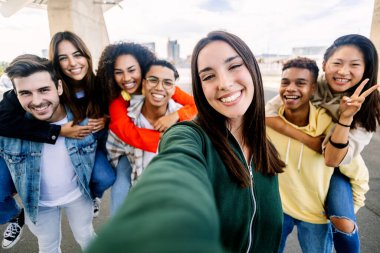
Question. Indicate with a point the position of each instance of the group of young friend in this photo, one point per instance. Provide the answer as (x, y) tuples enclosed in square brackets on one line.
[(57, 115), (217, 184)]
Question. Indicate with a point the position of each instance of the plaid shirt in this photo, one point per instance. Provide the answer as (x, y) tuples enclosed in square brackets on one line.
[(116, 148)]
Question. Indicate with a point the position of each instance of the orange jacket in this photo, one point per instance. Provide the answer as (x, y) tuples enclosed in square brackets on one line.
[(142, 138)]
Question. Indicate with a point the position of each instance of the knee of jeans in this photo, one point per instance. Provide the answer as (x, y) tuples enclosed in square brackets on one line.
[(103, 174), (343, 225), (84, 237), (51, 245), (111, 178)]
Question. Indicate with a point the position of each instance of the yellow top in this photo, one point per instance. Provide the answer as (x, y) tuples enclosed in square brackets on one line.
[(305, 182)]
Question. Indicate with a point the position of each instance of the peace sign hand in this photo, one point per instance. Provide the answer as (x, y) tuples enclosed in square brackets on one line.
[(349, 106)]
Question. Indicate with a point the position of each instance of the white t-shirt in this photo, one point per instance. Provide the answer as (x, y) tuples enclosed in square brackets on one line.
[(144, 123), (59, 183)]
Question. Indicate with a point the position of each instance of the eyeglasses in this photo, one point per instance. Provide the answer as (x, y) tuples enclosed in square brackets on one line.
[(167, 84)]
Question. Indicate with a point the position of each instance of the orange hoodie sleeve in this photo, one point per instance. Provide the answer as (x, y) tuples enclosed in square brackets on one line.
[(145, 139), (189, 110), (126, 130)]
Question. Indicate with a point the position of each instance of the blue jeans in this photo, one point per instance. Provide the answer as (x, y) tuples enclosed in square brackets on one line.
[(103, 175), (122, 184), (340, 204), (48, 226), (8, 205), (313, 238)]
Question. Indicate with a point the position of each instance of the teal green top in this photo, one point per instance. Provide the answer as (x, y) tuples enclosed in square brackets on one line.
[(186, 201)]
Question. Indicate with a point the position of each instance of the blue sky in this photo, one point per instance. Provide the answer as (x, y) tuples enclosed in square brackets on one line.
[(268, 26)]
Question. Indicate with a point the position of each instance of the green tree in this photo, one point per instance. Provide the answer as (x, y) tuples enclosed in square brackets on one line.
[(3, 65)]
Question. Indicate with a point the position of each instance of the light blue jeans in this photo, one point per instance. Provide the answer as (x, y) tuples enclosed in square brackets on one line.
[(340, 204), (313, 238), (48, 227), (120, 188)]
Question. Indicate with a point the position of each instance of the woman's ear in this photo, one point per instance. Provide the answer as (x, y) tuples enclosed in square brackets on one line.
[(323, 66)]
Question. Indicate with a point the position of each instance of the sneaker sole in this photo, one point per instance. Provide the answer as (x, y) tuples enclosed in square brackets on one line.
[(14, 242)]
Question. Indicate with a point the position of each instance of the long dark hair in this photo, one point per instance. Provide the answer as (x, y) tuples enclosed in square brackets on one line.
[(369, 114), (97, 101), (265, 156), (106, 66)]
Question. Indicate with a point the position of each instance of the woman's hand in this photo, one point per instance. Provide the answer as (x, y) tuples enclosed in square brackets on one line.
[(75, 131), (97, 124), (349, 106), (165, 122)]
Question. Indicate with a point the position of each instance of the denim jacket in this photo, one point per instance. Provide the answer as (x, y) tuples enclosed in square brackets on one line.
[(23, 159)]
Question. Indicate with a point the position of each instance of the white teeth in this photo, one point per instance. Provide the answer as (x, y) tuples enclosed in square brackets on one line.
[(291, 97), (40, 108), (75, 71), (342, 80), (129, 85), (231, 98), (158, 96)]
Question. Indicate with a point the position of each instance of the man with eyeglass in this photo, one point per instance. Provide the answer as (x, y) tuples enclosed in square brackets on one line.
[(158, 87)]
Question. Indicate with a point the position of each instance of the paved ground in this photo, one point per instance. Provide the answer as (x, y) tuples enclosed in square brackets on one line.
[(368, 217)]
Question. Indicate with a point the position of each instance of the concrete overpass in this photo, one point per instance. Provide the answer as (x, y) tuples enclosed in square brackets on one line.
[(83, 17)]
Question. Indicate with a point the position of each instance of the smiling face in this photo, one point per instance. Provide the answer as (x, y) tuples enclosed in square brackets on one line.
[(73, 64), (297, 87), (39, 96), (127, 73), (158, 85), (226, 81), (344, 69)]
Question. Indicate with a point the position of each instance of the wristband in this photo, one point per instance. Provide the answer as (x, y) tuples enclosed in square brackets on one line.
[(344, 125), (338, 145)]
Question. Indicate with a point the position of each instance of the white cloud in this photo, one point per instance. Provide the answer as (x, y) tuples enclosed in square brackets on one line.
[(273, 26)]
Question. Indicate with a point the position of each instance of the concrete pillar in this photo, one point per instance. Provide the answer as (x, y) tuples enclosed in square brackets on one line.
[(375, 30), (83, 18)]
